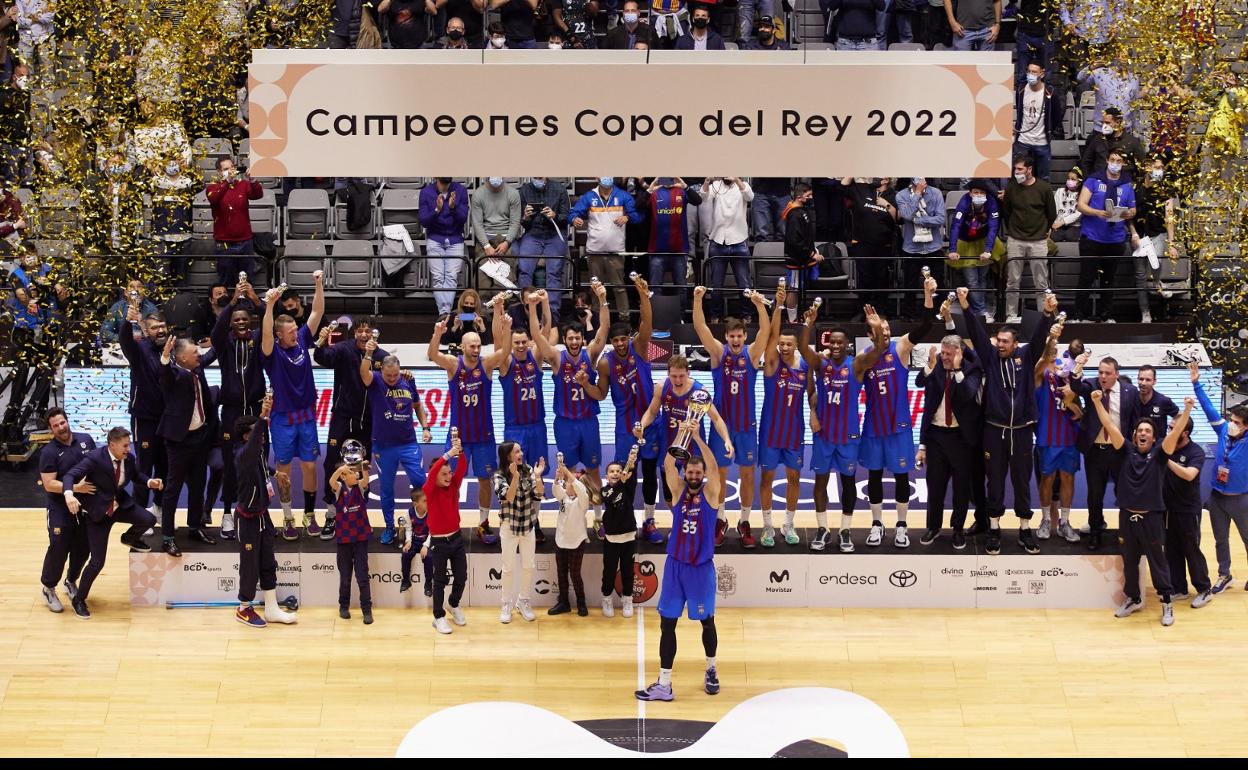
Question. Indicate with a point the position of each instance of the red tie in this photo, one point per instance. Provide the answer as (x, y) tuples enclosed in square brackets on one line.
[(1109, 394), (199, 403), (116, 484), (949, 398)]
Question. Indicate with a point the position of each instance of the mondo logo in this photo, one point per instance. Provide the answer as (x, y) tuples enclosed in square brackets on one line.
[(903, 578)]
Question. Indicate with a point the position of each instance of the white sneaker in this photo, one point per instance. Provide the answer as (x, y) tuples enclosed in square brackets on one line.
[(526, 611), (1066, 532), (789, 532), (1045, 529), (441, 625), (1167, 614), (1014, 319), (876, 536), (457, 615), (900, 538), (1129, 607), (608, 611), (504, 615), (989, 318), (1202, 598), (274, 612), (1146, 317), (627, 610), (1086, 529)]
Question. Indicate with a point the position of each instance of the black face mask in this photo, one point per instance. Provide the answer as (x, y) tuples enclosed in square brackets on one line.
[(701, 23), (445, 180), (455, 34), (766, 36), (223, 300), (468, 309)]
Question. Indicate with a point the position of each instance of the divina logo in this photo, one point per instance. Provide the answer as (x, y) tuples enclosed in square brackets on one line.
[(849, 580), (953, 571), (323, 568), (781, 577)]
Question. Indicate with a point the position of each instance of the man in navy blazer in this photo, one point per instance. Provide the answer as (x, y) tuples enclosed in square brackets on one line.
[(110, 469), (188, 426), (700, 32), (146, 401), (949, 433), (1101, 459)]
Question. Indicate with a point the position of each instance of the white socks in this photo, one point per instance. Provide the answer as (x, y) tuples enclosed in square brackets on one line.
[(789, 516), (847, 521), (1065, 515), (821, 518), (484, 513), (767, 519), (746, 510), (286, 512), (710, 662), (994, 523), (665, 677), (649, 507)]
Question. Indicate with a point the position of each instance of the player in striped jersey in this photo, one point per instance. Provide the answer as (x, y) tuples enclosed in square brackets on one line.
[(689, 578), (576, 400), (887, 433), (1057, 434), (782, 435), (734, 369), (624, 370), (520, 377), (834, 425), (468, 392)]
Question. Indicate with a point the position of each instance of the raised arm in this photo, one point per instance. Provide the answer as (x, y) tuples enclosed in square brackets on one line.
[(713, 346), (545, 350), (318, 302), (1170, 443), (448, 363), (771, 358), (761, 340), (266, 325), (913, 337), (803, 341), (1206, 404), (1046, 360), (714, 488), (879, 343), (604, 322), (502, 344), (645, 325), (366, 363), (671, 475), (975, 325), (1107, 423), (652, 411)]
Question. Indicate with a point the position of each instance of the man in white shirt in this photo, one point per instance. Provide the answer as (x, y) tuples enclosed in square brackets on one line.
[(728, 198)]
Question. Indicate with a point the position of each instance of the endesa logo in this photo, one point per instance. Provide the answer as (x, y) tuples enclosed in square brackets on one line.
[(385, 577), (849, 580)]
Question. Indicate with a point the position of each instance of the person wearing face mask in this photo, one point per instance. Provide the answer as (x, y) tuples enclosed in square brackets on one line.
[(171, 214), (604, 211), (700, 37), (518, 20), (495, 214), (921, 209), (543, 215), (973, 242), (443, 212), (36, 35), (575, 20), (456, 38), (554, 40), (1112, 136), (495, 36), (1038, 112), (1114, 86), (1107, 202), (872, 234), (1152, 230), (16, 167), (765, 39), (1029, 212), (229, 197), (630, 31), (1228, 499), (1066, 198)]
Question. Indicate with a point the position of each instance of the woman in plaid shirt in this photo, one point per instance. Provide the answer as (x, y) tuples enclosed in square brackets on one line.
[(519, 489)]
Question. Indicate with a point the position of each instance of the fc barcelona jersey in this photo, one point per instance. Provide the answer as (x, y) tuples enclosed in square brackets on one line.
[(837, 390), (693, 528), (888, 396), (784, 407), (632, 386), (571, 400), (469, 392), (734, 380), (522, 391), (1056, 426)]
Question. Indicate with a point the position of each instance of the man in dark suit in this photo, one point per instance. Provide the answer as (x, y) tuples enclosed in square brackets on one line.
[(187, 425), (146, 400), (1101, 460), (625, 35), (237, 346), (949, 433), (109, 469)]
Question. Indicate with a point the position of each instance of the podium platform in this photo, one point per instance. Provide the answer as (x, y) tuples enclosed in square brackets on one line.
[(1063, 576)]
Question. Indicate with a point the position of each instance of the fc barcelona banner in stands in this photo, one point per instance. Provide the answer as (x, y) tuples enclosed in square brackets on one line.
[(588, 113)]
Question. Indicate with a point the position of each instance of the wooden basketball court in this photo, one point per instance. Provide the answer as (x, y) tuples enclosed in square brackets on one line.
[(957, 682)]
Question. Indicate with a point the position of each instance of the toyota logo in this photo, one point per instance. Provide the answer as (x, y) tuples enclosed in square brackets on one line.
[(903, 578)]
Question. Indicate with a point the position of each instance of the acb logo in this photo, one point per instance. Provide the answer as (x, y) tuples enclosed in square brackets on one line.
[(645, 582)]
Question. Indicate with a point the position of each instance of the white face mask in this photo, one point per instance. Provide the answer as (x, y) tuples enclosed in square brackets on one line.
[(1107, 129), (498, 42), (918, 180), (21, 82), (1156, 174), (496, 181), (1020, 178), (979, 200), (554, 46), (171, 169), (1114, 168), (1032, 79), (631, 18)]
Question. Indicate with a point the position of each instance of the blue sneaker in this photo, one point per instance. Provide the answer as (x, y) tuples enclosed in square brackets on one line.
[(655, 691), (651, 532), (486, 535), (1224, 582), (387, 537), (248, 617), (712, 681)]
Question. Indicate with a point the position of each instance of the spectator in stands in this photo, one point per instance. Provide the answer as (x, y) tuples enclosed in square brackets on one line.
[(900, 11), (346, 17), (554, 40), (670, 19), (158, 68), (921, 209), (1031, 42), (495, 214), (443, 210), (729, 199), (171, 214), (765, 40), (518, 18), (1114, 86), (407, 21), (1038, 112), (292, 305), (855, 23), (230, 198), (575, 20), (159, 139), (496, 36), (1029, 211), (117, 312), (116, 140), (641, 45), (746, 28), (8, 29), (1107, 199), (669, 203), (456, 39), (544, 216), (700, 36), (936, 25), (604, 211), (1112, 136), (771, 196), (1066, 228), (471, 19), (626, 35), (1154, 224), (15, 162), (973, 238), (36, 36), (1090, 26), (215, 303), (975, 25), (12, 225), (801, 258), (872, 209)]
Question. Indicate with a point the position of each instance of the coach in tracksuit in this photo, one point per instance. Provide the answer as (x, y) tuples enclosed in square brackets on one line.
[(949, 433), (237, 346), (350, 418), (147, 402), (1228, 500), (67, 535), (188, 426), (1101, 461), (1009, 416)]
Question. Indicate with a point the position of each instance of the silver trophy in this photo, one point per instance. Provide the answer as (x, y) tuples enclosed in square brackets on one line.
[(558, 459), (242, 276), (376, 334), (641, 440), (699, 405), (633, 276), (1061, 317), (952, 296), (134, 298), (281, 287), (750, 294), (781, 283), (352, 452), (818, 303), (333, 325)]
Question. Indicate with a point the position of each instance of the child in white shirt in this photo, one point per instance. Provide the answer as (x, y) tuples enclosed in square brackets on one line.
[(570, 537)]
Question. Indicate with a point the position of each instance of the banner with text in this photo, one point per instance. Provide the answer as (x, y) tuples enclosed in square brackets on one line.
[(584, 113)]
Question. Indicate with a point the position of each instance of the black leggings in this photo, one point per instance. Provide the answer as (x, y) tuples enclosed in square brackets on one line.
[(667, 640), (849, 493), (875, 486), (618, 558)]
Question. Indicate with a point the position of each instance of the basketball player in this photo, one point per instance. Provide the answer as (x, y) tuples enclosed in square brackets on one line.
[(469, 391), (689, 572), (626, 370), (734, 370), (834, 425), (576, 409), (887, 433), (1057, 436), (520, 377), (786, 383)]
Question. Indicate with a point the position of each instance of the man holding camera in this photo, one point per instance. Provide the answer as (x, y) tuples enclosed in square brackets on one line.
[(229, 198)]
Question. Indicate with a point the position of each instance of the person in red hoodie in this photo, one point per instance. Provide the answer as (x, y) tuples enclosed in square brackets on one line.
[(229, 198), (446, 544)]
